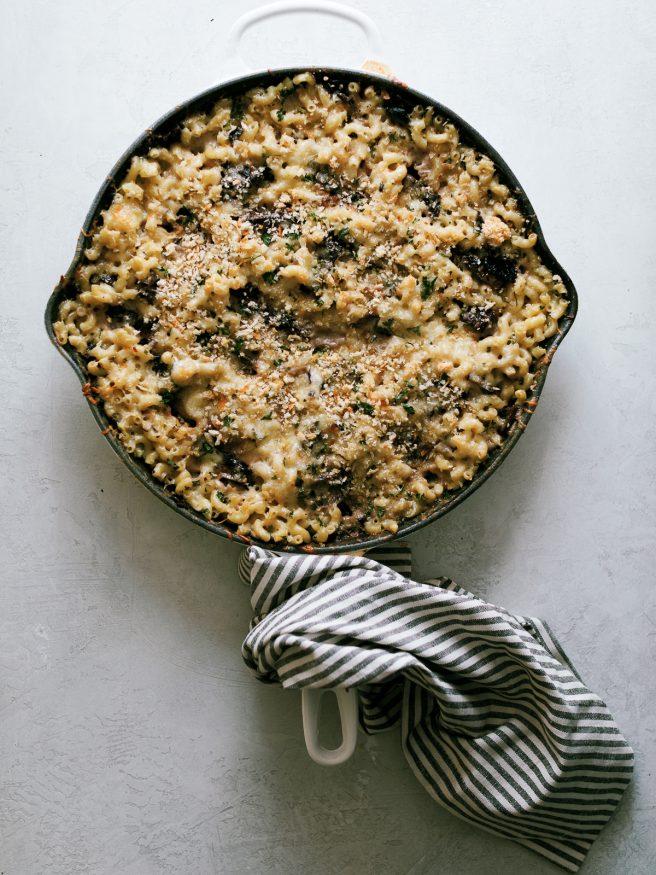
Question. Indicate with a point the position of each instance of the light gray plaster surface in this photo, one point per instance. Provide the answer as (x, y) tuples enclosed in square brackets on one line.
[(132, 739)]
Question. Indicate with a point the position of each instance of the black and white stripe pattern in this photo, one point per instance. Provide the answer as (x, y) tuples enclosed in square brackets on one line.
[(495, 723), (396, 556)]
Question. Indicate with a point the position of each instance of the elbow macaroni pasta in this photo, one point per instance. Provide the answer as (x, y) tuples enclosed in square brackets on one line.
[(315, 313)]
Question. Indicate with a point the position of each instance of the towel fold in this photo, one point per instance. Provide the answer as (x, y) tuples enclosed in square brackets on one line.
[(495, 722)]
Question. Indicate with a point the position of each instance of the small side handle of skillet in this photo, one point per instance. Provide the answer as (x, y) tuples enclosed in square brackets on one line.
[(285, 7), (347, 703)]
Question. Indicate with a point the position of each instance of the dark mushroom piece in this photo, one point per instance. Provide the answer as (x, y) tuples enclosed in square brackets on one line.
[(334, 246), (241, 180), (333, 477), (107, 278), (283, 321), (337, 88), (326, 177), (486, 387), (235, 133), (233, 470), (433, 202), (398, 112), (247, 354), (186, 216), (509, 418), (480, 318), (158, 365), (487, 265), (147, 289), (266, 220), (118, 315), (249, 301)]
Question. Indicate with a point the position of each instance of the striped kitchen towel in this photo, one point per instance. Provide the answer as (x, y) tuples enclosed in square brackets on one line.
[(495, 722)]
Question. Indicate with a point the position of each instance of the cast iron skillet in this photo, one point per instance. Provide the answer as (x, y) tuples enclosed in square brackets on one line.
[(166, 130)]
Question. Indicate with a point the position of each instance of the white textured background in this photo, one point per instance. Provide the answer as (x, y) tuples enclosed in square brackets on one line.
[(132, 739)]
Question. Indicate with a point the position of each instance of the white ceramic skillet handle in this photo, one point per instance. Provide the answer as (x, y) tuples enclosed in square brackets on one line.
[(237, 64), (347, 703), (347, 700)]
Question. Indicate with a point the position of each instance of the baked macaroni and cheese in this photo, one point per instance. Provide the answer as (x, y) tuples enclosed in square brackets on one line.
[(315, 313)]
